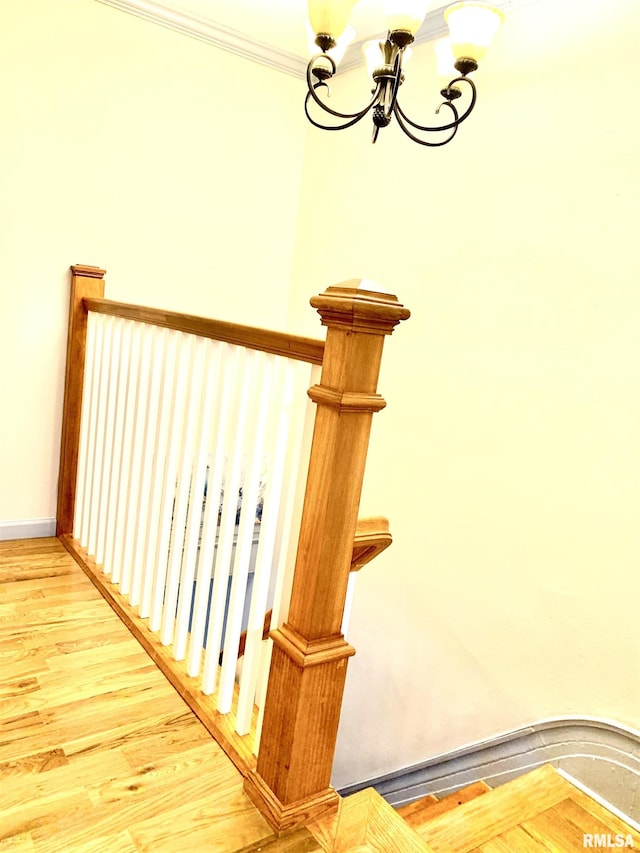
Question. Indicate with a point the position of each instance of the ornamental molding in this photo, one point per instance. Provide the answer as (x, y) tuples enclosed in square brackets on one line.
[(241, 44)]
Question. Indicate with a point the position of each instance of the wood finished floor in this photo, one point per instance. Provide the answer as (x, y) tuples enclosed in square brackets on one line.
[(97, 751), (540, 812)]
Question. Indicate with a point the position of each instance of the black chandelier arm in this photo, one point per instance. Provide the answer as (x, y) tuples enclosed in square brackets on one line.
[(311, 86), (356, 116), (453, 126), (459, 118)]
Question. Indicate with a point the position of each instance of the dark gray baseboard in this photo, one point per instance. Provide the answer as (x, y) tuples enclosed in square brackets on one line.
[(34, 528), (601, 755)]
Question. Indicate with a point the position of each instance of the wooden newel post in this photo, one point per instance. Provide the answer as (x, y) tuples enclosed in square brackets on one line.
[(309, 663), (85, 281)]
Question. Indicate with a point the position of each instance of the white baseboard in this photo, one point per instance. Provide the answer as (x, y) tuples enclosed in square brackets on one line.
[(33, 528), (601, 755)]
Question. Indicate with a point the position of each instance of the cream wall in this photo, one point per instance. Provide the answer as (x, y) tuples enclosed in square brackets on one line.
[(508, 458), (171, 163)]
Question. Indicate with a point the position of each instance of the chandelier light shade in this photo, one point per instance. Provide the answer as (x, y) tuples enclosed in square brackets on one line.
[(330, 18), (407, 15), (472, 25)]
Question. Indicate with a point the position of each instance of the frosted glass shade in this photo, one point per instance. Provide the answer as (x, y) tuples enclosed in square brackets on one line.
[(330, 16), (372, 55), (445, 60), (375, 58), (405, 14), (472, 26)]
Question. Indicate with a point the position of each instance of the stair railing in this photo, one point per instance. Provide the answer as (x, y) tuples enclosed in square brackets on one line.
[(168, 515)]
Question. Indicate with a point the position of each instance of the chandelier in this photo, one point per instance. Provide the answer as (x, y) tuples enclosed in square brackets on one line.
[(472, 25)]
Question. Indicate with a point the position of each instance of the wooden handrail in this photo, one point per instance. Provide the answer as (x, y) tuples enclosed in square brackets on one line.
[(277, 343), (372, 538)]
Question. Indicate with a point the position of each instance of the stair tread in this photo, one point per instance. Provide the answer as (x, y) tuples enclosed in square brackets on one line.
[(418, 813), (533, 804), (366, 823), (412, 812)]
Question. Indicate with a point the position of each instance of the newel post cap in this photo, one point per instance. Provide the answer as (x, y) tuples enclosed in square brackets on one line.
[(352, 304)]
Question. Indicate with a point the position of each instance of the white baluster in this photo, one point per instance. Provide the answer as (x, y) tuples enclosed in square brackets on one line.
[(228, 360), (112, 543), (232, 482), (254, 442), (187, 603), (81, 506), (181, 456), (280, 417), (109, 432), (141, 462), (170, 423), (123, 533), (92, 428), (142, 572), (101, 466)]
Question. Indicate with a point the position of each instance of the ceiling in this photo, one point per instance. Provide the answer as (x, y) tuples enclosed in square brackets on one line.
[(273, 32)]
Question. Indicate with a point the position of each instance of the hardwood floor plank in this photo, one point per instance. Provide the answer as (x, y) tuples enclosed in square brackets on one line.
[(120, 843), (479, 821), (81, 771), (163, 817), (300, 841), (216, 825), (18, 622), (158, 775), (22, 843), (419, 816), (14, 687), (40, 762), (516, 840), (590, 817), (18, 660), (95, 744), (552, 828), (156, 745), (20, 593), (43, 812), (414, 813)]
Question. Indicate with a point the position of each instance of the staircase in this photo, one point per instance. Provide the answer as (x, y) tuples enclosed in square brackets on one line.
[(540, 812)]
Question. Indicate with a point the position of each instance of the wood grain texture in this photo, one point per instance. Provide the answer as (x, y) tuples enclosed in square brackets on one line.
[(418, 813), (367, 822), (308, 665), (97, 750), (372, 537), (277, 343), (85, 281), (300, 841), (239, 748), (538, 811)]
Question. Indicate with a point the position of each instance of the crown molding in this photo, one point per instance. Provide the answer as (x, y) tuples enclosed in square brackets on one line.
[(216, 34), (243, 45)]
